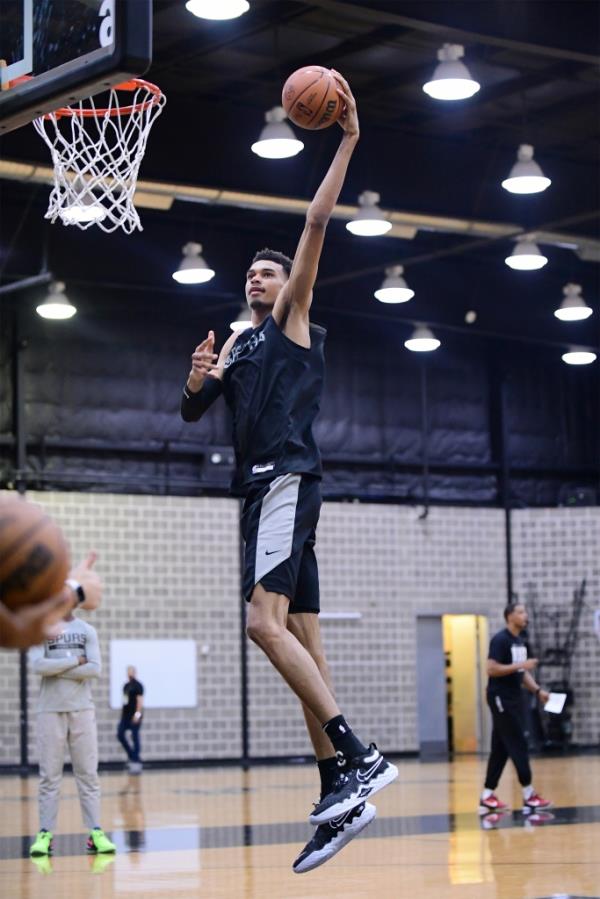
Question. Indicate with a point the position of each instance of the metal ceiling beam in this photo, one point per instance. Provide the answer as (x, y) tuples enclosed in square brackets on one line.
[(161, 195), (26, 283), (447, 32), (541, 236)]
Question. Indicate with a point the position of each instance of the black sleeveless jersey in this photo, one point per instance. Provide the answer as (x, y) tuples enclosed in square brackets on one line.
[(273, 388)]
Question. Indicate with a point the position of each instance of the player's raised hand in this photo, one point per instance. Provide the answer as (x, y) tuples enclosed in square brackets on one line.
[(349, 117), (203, 363)]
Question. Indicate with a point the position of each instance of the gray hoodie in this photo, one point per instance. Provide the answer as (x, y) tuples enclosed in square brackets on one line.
[(66, 685)]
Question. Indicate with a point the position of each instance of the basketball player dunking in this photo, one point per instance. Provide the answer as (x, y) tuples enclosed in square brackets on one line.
[(272, 379)]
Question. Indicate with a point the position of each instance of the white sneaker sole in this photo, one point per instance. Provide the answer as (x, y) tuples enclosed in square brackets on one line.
[(342, 839), (485, 810), (340, 808)]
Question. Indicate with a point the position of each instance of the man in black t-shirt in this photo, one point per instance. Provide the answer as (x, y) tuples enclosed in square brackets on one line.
[(509, 670), (131, 720), (271, 376)]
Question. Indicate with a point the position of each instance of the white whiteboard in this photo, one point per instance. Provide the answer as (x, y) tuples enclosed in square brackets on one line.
[(166, 668)]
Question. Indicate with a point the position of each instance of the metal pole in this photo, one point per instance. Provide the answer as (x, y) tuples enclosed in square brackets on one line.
[(23, 716), (425, 438), (505, 489), (24, 283), (18, 397)]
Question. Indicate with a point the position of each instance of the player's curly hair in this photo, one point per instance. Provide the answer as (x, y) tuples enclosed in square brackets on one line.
[(274, 256)]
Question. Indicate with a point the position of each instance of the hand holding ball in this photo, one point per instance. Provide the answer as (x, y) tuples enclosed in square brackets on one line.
[(310, 98)]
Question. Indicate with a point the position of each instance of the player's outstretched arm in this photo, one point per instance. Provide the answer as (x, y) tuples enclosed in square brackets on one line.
[(296, 295)]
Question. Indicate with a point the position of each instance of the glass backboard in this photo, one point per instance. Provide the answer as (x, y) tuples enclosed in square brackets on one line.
[(66, 50)]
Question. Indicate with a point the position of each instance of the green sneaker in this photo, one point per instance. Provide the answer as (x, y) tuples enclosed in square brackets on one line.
[(42, 844), (99, 842)]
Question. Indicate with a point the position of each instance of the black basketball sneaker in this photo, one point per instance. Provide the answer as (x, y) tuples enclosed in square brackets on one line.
[(364, 776), (332, 836)]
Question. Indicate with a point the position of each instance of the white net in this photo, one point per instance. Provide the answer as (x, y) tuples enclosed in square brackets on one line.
[(96, 153)]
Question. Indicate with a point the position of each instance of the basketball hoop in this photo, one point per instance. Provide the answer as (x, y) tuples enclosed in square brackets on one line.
[(97, 154)]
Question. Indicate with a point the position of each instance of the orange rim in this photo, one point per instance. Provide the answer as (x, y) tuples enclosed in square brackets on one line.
[(131, 85)]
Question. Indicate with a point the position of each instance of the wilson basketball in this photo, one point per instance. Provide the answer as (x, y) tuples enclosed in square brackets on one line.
[(310, 98), (34, 557)]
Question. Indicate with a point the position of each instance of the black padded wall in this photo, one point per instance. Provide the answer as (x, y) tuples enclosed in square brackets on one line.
[(102, 393)]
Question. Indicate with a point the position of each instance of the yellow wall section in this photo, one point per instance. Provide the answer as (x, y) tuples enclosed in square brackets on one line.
[(464, 637)]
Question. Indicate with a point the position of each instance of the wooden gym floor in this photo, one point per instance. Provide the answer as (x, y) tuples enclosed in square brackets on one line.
[(227, 834)]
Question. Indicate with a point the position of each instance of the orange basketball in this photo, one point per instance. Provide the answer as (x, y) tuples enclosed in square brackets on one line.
[(34, 557), (310, 98)]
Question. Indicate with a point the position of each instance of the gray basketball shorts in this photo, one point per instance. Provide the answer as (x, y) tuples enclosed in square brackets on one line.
[(279, 520)]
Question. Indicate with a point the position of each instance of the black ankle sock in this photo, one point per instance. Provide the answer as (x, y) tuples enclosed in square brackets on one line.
[(344, 741), (328, 771)]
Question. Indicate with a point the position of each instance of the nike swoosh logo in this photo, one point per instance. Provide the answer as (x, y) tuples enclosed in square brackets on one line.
[(269, 552), (364, 778)]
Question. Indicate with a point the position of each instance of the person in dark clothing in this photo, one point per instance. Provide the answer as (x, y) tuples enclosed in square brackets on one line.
[(131, 720), (509, 670), (271, 376)]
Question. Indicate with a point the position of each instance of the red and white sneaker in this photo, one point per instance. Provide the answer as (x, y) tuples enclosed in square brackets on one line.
[(491, 804), (534, 803)]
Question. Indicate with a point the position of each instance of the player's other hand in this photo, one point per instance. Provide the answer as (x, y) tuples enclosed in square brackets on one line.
[(32, 624), (529, 664), (90, 580), (203, 363), (543, 696), (348, 120)]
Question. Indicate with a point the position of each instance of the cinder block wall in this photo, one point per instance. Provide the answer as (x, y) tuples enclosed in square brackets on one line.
[(386, 564), (171, 570), (171, 566), (554, 549)]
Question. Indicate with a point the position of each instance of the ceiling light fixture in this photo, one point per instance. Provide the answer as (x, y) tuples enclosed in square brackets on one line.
[(277, 140), (422, 340), (451, 79), (57, 305), (394, 288), (217, 9), (369, 220), (573, 308), (526, 177), (86, 209), (578, 356), (192, 268), (526, 255), (243, 320)]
